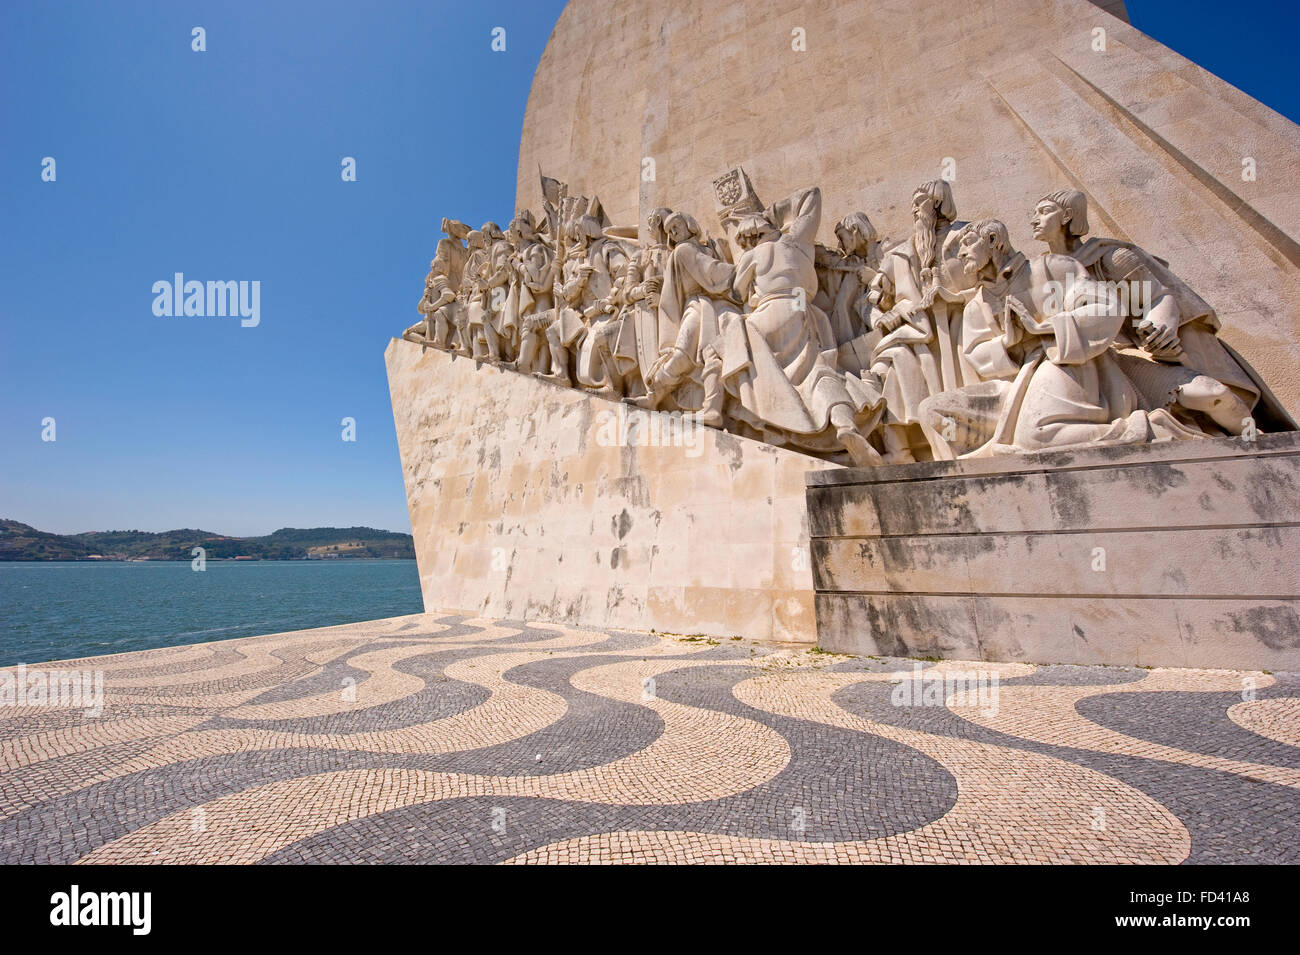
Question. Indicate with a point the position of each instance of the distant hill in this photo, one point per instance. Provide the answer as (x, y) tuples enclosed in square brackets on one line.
[(23, 542)]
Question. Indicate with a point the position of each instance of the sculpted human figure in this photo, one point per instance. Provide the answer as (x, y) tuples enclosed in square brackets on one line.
[(439, 304), (694, 295), (536, 310), (638, 342), (584, 300), (1047, 374), (915, 302), (845, 274), (494, 281), (473, 310), (1197, 377), (776, 362), (522, 237), (608, 352)]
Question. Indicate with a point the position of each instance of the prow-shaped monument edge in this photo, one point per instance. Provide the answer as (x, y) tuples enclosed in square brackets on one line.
[(534, 501)]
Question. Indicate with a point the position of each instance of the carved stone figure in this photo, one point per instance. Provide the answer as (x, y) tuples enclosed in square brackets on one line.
[(536, 309), (694, 296), (951, 344), (845, 274), (638, 342), (1048, 375), (586, 305), (776, 362), (1191, 371), (472, 308), (439, 304), (524, 245), (915, 303)]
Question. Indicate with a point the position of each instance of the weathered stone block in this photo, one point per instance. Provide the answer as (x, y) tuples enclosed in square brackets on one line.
[(532, 500), (1182, 554)]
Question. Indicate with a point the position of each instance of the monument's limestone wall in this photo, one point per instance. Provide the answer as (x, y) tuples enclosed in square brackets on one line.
[(1184, 554), (526, 503), (1014, 91)]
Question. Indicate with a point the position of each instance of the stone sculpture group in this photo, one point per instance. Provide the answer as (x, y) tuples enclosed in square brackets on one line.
[(948, 344)]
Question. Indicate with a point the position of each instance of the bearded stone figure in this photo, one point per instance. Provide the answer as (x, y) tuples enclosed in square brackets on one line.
[(915, 303)]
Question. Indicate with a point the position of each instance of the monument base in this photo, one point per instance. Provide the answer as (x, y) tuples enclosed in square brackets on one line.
[(1184, 554), (532, 500)]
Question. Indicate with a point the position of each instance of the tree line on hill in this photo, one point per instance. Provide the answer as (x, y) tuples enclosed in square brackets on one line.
[(23, 542)]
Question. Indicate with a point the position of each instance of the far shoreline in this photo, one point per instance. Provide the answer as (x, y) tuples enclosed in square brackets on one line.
[(186, 560)]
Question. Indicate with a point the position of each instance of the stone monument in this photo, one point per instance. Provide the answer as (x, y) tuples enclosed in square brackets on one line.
[(1044, 450)]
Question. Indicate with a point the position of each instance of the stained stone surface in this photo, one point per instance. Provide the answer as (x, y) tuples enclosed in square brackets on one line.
[(1009, 99), (434, 738), (1182, 554), (532, 500)]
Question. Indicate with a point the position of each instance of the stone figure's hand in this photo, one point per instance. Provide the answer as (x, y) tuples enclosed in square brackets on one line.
[(892, 319), (653, 285), (1160, 339)]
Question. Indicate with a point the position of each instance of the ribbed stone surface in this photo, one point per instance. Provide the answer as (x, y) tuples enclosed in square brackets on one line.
[(1169, 555)]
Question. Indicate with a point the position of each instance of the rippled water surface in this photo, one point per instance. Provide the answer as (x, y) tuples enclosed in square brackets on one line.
[(59, 610)]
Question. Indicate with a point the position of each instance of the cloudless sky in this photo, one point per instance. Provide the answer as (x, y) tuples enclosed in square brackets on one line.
[(225, 165)]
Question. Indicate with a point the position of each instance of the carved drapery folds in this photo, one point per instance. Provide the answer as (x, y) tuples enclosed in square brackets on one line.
[(948, 344)]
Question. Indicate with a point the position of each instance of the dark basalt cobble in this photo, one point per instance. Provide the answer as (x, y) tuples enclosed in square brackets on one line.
[(692, 763)]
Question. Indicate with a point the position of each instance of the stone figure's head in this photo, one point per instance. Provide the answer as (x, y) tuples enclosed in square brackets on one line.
[(681, 227), (983, 245), (457, 230), (1060, 215), (581, 232), (655, 221), (477, 239), (934, 199), (491, 231), (856, 234), (932, 207), (524, 226), (752, 229)]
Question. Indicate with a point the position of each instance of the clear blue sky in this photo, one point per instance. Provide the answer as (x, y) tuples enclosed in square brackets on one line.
[(226, 165)]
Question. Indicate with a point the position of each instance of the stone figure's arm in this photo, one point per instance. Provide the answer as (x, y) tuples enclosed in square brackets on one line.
[(712, 274), (984, 342), (742, 282), (501, 276), (1085, 328), (1153, 306), (445, 297), (799, 216)]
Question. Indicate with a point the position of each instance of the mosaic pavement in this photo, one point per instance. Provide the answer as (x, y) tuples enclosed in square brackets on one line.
[(449, 739)]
